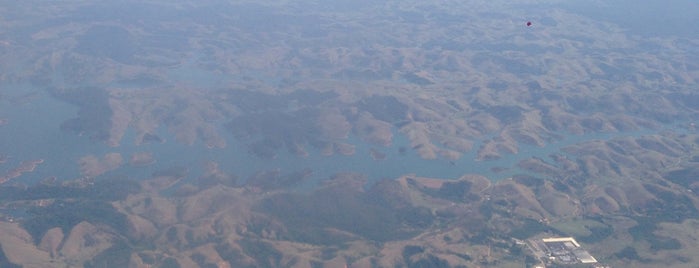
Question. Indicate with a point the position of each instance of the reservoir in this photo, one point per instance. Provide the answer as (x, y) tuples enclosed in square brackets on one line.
[(33, 132)]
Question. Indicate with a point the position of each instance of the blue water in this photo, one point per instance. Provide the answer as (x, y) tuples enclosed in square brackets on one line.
[(33, 132)]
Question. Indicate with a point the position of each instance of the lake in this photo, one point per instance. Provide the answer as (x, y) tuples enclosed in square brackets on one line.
[(33, 132)]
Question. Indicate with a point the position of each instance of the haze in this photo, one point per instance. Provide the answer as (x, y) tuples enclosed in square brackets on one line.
[(349, 134)]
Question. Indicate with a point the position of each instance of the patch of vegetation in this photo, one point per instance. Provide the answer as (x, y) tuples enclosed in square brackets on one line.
[(200, 259), (645, 227), (447, 238), (665, 243), (73, 205), (645, 231), (561, 186), (117, 255), (66, 214), (597, 234), (308, 216), (684, 177), (628, 253), (415, 79), (515, 250), (529, 181), (506, 114), (264, 253), (529, 228), (457, 191), (486, 209), (530, 261), (232, 255), (385, 108), (410, 250), (170, 263), (430, 261), (454, 190), (588, 230), (670, 206), (317, 264)]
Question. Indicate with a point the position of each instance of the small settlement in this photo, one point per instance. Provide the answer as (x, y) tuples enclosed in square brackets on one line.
[(561, 251)]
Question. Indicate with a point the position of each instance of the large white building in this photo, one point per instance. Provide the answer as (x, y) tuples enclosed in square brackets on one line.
[(566, 250)]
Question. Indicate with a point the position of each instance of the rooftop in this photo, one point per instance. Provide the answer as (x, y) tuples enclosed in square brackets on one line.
[(562, 250)]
